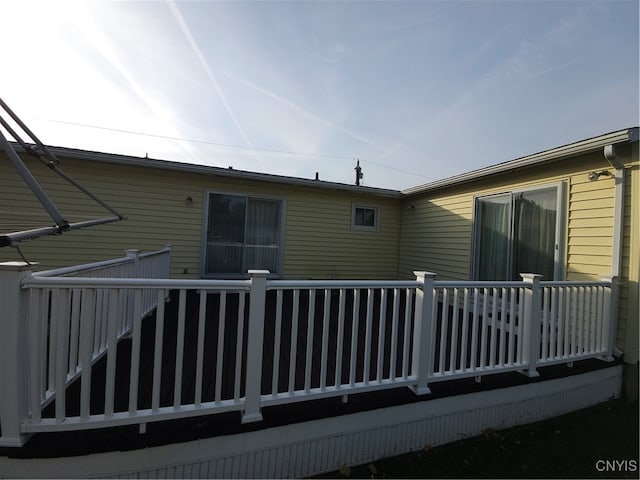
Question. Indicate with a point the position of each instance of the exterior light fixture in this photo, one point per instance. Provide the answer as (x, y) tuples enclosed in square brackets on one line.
[(189, 200), (593, 176)]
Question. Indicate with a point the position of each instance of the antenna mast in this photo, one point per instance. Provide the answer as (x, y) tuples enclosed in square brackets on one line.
[(359, 173)]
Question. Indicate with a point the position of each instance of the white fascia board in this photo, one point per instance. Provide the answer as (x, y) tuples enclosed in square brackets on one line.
[(559, 153), (63, 152)]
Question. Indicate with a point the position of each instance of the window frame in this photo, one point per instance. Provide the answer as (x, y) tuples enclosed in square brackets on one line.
[(205, 225), (559, 259), (365, 228)]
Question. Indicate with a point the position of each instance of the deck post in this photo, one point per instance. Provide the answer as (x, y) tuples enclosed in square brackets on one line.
[(531, 323), (422, 357), (14, 367), (128, 294), (255, 339), (134, 255), (610, 317), (165, 266)]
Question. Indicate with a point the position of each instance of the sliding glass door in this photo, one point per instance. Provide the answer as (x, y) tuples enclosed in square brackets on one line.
[(493, 237), (262, 237), (517, 232), (534, 242), (243, 233)]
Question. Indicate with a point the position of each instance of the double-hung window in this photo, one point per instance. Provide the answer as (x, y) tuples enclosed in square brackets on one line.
[(364, 218), (242, 233), (519, 232)]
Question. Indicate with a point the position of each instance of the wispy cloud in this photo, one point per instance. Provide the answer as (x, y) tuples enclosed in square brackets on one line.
[(102, 45), (332, 53), (205, 65), (429, 87), (302, 111)]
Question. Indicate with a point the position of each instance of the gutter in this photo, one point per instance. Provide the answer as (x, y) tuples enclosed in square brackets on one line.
[(85, 155), (571, 150)]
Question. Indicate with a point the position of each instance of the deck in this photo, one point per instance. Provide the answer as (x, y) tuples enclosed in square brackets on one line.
[(191, 428), (72, 443), (129, 360)]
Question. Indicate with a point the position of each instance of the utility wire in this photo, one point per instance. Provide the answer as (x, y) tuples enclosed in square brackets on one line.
[(192, 140), (228, 145), (17, 247), (399, 170)]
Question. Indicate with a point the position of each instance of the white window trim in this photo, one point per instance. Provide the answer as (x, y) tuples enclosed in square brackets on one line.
[(559, 256), (365, 228), (203, 241)]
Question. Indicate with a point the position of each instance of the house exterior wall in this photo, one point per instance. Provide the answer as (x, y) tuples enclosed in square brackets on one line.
[(629, 295), (320, 242), (437, 226), (154, 201), (431, 231), (435, 234)]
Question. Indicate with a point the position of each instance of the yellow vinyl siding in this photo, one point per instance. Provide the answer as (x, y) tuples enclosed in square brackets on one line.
[(435, 235), (320, 242), (595, 241), (441, 218), (589, 224), (154, 201), (590, 227), (142, 195)]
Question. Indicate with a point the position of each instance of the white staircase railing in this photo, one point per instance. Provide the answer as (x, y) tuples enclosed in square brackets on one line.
[(45, 344)]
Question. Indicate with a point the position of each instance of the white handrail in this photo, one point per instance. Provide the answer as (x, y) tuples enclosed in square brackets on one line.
[(576, 283), (476, 284), (143, 283), (81, 268), (324, 284), (98, 265)]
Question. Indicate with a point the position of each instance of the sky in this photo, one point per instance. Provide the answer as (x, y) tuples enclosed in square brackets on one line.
[(415, 90)]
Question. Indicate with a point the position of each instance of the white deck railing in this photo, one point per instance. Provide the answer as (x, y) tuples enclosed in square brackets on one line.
[(134, 265), (348, 337), (71, 327), (246, 344)]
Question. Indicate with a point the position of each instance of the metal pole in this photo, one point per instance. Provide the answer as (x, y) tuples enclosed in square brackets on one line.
[(43, 154), (24, 127), (48, 158), (33, 184), (13, 238)]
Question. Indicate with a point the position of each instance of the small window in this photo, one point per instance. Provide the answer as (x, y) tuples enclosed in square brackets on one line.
[(364, 218)]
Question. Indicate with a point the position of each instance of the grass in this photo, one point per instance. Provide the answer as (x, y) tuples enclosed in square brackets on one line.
[(575, 445)]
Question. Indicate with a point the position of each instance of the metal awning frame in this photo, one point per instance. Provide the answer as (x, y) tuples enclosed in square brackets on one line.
[(40, 151)]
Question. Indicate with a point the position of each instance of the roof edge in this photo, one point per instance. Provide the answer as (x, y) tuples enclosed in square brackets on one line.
[(114, 158), (626, 135)]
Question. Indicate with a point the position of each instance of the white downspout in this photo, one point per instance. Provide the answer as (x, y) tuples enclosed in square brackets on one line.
[(618, 222), (618, 210)]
